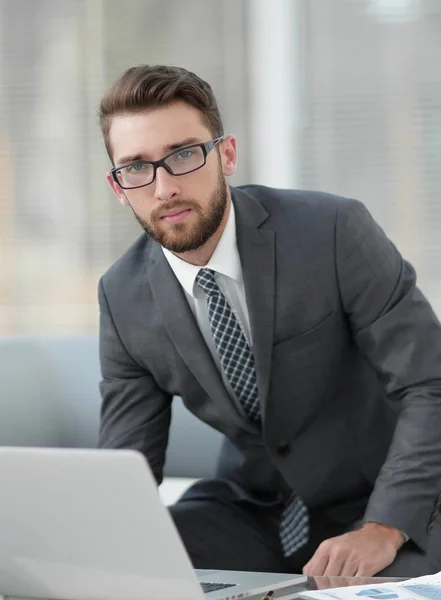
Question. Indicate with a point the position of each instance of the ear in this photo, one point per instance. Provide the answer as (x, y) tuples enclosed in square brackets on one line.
[(119, 192), (228, 153)]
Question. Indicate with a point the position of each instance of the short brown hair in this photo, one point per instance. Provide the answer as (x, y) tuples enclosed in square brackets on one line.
[(147, 86)]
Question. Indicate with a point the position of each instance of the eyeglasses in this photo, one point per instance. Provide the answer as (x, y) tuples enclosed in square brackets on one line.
[(179, 162)]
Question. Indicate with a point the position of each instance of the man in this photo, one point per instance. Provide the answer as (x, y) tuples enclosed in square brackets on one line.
[(287, 321)]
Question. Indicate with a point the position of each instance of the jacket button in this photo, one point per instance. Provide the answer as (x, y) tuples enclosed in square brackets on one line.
[(283, 449)]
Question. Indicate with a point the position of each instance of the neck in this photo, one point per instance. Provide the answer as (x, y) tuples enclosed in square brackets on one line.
[(202, 255)]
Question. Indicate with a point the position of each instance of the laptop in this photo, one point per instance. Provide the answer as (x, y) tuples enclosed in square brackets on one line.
[(90, 525)]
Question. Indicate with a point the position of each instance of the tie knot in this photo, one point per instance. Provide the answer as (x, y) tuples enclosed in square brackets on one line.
[(205, 280)]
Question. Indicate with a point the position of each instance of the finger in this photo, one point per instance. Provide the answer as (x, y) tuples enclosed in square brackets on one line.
[(317, 565), (350, 567), (335, 564), (367, 570)]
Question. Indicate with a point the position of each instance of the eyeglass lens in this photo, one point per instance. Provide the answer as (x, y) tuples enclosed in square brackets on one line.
[(180, 162)]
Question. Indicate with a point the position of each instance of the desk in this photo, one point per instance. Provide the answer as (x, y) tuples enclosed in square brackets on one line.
[(323, 583), (313, 583)]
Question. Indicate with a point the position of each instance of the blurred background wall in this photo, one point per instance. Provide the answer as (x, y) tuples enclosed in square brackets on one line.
[(337, 95)]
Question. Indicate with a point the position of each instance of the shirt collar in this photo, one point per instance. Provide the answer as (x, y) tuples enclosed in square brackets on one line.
[(225, 258)]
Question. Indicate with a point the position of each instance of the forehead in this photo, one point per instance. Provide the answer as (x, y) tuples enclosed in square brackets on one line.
[(151, 132)]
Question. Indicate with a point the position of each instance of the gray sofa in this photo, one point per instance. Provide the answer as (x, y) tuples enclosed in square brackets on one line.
[(50, 397)]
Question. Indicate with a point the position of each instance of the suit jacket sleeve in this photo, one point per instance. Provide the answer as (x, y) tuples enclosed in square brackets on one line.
[(135, 412), (400, 336)]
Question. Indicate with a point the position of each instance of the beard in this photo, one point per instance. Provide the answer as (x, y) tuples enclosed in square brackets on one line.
[(179, 238)]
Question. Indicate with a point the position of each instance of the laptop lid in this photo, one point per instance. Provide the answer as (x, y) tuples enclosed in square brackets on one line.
[(81, 524)]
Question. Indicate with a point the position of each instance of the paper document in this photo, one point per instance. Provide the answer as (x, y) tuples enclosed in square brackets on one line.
[(427, 587)]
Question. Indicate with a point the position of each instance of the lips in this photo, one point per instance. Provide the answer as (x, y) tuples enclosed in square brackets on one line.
[(173, 213), (176, 215)]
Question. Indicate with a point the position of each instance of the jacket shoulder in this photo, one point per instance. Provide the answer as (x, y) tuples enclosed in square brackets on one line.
[(129, 263), (275, 199)]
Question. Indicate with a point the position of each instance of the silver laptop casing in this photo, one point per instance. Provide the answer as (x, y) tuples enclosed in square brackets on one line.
[(90, 525)]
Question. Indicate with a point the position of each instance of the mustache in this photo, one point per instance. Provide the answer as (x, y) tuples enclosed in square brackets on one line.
[(168, 206)]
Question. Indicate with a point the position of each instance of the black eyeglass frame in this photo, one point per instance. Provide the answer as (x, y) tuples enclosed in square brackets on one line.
[(206, 147)]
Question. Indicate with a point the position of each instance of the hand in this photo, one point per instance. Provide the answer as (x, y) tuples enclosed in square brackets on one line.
[(361, 553)]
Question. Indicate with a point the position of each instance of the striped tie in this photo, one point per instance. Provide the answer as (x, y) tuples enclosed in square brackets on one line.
[(238, 364)]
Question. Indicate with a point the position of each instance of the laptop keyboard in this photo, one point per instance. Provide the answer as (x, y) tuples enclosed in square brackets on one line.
[(213, 587)]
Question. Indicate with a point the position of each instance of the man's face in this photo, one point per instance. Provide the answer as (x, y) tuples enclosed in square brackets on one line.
[(180, 212)]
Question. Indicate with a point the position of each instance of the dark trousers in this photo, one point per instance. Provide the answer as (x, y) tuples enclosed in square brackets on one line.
[(221, 532)]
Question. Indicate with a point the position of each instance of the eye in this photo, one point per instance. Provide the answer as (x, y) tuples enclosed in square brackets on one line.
[(184, 154), (137, 167)]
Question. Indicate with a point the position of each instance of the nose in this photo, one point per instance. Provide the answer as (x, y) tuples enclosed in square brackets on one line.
[(166, 185)]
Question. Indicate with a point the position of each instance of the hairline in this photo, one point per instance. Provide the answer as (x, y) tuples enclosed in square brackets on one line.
[(106, 122)]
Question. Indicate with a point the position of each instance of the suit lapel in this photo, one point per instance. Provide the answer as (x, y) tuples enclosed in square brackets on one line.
[(257, 255), (184, 332)]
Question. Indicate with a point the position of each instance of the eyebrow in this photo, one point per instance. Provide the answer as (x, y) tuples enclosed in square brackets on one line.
[(131, 158)]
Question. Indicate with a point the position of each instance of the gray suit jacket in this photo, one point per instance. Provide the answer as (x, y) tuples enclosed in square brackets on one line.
[(347, 353)]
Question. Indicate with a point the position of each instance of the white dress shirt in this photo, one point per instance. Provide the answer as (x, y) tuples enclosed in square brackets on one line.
[(225, 262)]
